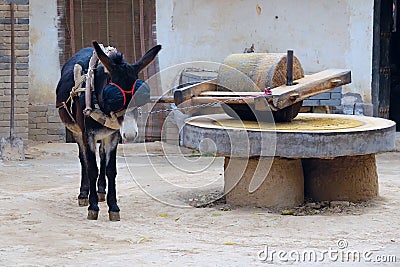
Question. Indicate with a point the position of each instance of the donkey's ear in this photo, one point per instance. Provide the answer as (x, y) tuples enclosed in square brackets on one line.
[(105, 60), (147, 58)]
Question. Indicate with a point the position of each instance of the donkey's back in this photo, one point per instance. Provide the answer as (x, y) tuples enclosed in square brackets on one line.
[(66, 81)]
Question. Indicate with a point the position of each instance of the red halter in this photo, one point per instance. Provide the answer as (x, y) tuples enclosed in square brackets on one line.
[(123, 92)]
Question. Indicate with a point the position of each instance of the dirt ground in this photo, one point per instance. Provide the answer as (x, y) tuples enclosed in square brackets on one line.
[(42, 225)]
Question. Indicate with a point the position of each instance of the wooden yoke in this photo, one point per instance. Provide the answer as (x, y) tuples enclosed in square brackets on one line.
[(282, 97), (187, 96), (187, 93)]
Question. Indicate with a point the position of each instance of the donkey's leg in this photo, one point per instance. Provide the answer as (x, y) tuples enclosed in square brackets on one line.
[(84, 189), (92, 172), (101, 182), (110, 145)]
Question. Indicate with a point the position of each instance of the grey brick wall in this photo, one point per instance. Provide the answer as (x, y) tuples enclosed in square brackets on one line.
[(45, 124), (330, 98), (21, 65)]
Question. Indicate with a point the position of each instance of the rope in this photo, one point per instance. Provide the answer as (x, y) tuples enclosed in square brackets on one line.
[(76, 89)]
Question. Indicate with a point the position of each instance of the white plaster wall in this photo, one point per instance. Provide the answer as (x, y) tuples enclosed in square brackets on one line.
[(322, 33), (359, 54), (43, 55)]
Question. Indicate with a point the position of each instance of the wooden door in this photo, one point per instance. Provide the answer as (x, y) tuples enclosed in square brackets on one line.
[(128, 25), (381, 63)]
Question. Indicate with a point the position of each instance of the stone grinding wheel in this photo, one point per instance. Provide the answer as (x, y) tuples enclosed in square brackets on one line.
[(261, 70)]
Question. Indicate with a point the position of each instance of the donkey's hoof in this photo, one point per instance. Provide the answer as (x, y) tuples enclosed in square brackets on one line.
[(114, 216), (83, 202), (101, 196), (93, 214)]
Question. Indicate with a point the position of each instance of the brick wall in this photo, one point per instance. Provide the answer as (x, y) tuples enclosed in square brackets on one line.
[(45, 124), (21, 67), (330, 98)]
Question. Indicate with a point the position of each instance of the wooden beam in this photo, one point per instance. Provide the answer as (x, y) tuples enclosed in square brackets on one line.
[(230, 94), (186, 93), (284, 96), (225, 99), (162, 99)]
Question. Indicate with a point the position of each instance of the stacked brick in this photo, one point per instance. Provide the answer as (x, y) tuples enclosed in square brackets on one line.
[(45, 124), (330, 98), (21, 67)]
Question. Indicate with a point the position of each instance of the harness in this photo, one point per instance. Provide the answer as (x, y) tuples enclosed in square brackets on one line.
[(110, 121)]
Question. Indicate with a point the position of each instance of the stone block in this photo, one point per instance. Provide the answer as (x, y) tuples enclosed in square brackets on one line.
[(320, 96), (36, 108), (52, 112), (23, 7), (308, 103), (52, 138), (38, 119), (36, 132), (54, 125), (22, 46), (42, 125), (21, 129), (19, 66), (52, 119), (59, 131), (20, 104), (336, 96), (22, 72), (41, 114), (22, 79), (23, 123), (336, 90), (4, 124), (331, 102), (41, 137), (23, 117)]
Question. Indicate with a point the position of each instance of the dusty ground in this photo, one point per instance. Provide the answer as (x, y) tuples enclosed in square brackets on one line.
[(41, 223)]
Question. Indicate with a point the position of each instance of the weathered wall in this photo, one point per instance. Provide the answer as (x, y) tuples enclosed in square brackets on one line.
[(44, 123), (21, 68), (323, 34), (43, 50)]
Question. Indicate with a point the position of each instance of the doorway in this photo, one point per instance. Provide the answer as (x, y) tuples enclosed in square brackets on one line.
[(386, 61), (128, 25), (394, 109)]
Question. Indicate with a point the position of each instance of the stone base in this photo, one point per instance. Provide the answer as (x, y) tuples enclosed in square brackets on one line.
[(351, 178), (264, 182)]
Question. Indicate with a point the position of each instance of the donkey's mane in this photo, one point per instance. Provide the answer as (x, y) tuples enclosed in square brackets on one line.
[(117, 58)]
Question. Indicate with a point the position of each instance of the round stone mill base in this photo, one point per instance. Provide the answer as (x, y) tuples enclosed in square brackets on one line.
[(265, 181), (317, 156), (352, 178)]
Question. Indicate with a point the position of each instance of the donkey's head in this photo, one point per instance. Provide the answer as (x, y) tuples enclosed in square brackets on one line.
[(124, 75)]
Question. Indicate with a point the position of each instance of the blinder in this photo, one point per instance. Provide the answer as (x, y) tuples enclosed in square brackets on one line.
[(115, 98)]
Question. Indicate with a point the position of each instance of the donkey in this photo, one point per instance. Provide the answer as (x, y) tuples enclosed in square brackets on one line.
[(87, 131)]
